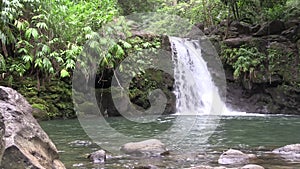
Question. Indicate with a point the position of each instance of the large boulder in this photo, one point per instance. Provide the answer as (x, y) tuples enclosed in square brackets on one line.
[(26, 144), (270, 28), (289, 152), (232, 156), (152, 147)]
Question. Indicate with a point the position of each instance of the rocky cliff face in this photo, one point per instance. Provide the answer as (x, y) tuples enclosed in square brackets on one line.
[(23, 142), (140, 86), (261, 64)]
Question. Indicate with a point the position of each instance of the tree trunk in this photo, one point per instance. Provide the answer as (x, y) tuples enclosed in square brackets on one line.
[(4, 50)]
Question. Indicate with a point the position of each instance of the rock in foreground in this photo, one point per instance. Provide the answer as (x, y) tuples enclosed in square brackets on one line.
[(98, 157), (289, 152), (252, 166), (26, 144), (152, 147), (232, 156), (249, 166)]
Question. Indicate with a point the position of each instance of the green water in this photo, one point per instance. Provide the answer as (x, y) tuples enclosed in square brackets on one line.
[(257, 135)]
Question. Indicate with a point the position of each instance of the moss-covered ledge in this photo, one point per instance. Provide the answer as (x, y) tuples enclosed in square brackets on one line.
[(53, 99)]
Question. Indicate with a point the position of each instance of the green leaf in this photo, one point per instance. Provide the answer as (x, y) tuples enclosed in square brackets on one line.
[(70, 64), (27, 58), (46, 63), (38, 63), (126, 44), (59, 59), (120, 52), (31, 32), (103, 41), (42, 25), (2, 63), (21, 25), (146, 44), (23, 50), (51, 70), (41, 16), (64, 73), (46, 49), (236, 73)]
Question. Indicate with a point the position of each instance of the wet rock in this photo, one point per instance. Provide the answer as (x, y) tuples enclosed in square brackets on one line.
[(252, 166), (98, 157), (290, 33), (289, 152), (200, 26), (249, 166), (232, 156), (237, 42), (152, 147), (242, 28), (201, 167), (298, 45), (297, 33), (146, 167), (270, 28), (26, 144), (206, 167), (80, 143), (255, 28), (292, 23), (2, 132), (78, 165)]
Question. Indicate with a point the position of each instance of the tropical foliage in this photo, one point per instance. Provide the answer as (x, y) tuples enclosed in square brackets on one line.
[(42, 40), (246, 60)]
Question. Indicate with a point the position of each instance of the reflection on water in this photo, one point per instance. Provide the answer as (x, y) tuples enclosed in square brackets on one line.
[(258, 135)]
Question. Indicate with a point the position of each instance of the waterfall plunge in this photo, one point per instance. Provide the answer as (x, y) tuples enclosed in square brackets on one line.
[(195, 90)]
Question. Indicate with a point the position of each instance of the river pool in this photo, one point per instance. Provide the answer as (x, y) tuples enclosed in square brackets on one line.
[(256, 134)]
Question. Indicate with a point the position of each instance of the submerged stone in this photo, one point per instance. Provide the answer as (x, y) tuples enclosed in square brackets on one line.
[(148, 147), (98, 157)]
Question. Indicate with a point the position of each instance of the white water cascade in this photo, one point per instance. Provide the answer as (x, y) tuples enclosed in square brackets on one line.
[(195, 91)]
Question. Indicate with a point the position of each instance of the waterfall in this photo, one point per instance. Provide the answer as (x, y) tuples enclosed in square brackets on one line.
[(195, 90)]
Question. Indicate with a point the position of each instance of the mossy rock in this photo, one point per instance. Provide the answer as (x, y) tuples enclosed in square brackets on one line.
[(51, 96), (87, 107), (36, 100), (40, 111), (54, 113)]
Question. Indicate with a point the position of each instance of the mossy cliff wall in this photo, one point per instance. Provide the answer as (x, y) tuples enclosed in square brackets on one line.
[(262, 65)]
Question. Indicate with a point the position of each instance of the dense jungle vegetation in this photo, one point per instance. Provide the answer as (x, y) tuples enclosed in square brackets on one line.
[(40, 40)]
